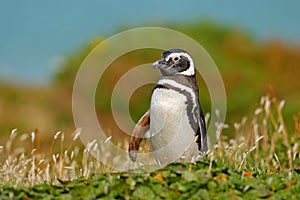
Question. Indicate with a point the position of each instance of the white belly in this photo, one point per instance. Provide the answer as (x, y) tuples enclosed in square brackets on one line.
[(172, 137)]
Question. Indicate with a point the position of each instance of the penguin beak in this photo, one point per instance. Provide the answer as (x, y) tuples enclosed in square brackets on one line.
[(160, 64)]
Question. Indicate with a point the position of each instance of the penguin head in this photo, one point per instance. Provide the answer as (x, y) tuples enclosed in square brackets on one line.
[(175, 61)]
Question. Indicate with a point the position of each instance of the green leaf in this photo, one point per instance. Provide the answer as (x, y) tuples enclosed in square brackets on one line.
[(189, 176), (143, 192), (275, 183)]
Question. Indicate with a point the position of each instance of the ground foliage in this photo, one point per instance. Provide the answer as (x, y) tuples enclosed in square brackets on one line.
[(176, 181)]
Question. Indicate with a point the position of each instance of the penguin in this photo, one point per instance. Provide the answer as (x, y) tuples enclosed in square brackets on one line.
[(175, 119)]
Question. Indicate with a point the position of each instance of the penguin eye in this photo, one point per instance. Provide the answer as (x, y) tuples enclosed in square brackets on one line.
[(176, 58)]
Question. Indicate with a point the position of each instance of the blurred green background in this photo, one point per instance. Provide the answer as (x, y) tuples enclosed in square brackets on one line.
[(255, 46)]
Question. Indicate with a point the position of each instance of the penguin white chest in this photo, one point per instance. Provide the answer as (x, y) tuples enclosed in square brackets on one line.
[(166, 111), (171, 133)]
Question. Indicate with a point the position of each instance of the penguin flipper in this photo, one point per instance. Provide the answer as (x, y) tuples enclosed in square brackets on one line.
[(138, 133), (201, 133)]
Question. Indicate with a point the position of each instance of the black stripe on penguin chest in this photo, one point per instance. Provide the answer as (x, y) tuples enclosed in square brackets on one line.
[(190, 107)]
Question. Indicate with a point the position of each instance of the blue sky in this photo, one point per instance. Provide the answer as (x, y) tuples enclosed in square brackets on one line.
[(35, 34)]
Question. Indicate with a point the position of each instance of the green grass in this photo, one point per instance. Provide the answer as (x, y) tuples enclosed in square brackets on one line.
[(260, 160)]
